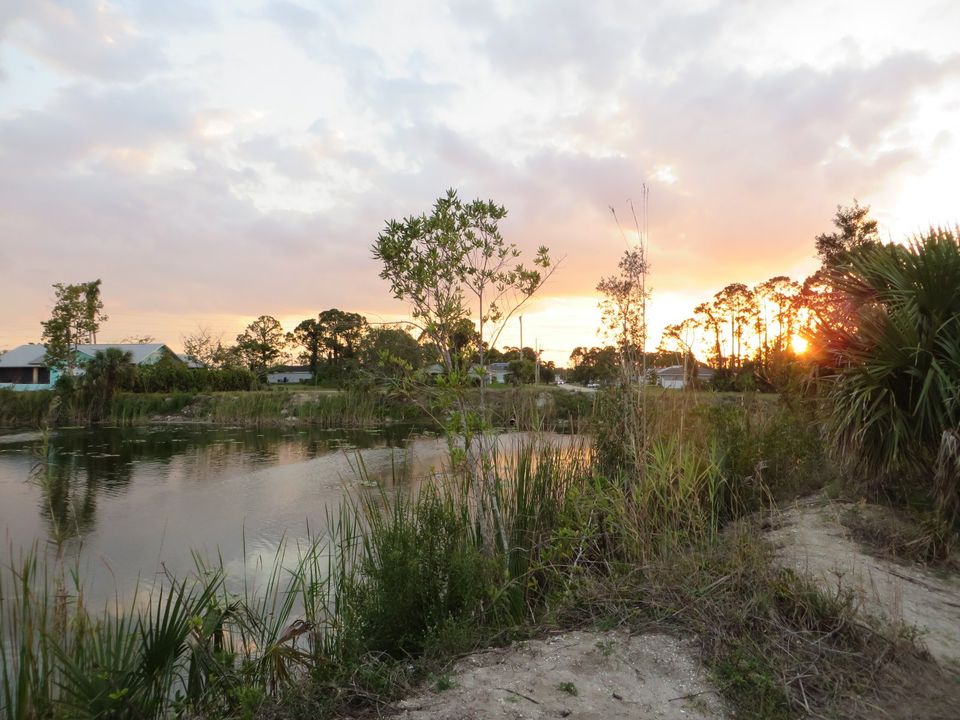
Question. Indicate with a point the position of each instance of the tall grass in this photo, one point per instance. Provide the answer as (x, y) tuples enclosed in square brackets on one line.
[(25, 409), (403, 578)]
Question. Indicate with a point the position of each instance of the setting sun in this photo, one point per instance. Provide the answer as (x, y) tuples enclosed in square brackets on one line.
[(799, 344)]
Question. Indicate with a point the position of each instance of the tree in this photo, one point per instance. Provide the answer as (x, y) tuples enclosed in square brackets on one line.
[(895, 388), (738, 305), (707, 317), (855, 229), (262, 344), (340, 335), (831, 314), (138, 340), (207, 350), (76, 317), (623, 308), (103, 375), (308, 336), (783, 294), (598, 364), (679, 340), (434, 261), (390, 351)]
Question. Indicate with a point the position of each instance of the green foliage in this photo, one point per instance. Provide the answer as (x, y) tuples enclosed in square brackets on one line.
[(262, 344), (436, 260), (103, 376), (390, 352), (599, 364), (420, 567), (75, 318), (175, 377), (403, 581), (25, 409), (897, 389)]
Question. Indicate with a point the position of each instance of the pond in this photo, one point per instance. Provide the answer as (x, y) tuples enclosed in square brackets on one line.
[(131, 505)]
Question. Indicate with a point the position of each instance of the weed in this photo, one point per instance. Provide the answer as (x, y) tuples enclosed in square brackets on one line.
[(605, 647), (443, 683), (568, 687)]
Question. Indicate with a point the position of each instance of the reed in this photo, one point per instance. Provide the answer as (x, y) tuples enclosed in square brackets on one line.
[(401, 581)]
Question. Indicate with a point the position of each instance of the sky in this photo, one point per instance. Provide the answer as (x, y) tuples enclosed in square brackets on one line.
[(216, 161)]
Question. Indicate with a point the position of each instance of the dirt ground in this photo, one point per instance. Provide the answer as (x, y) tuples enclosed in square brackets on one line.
[(810, 538), (584, 675)]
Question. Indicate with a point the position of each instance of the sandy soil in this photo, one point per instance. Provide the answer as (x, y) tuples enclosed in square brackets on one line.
[(810, 538), (593, 676)]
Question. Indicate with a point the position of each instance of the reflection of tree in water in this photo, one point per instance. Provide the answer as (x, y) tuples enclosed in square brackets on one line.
[(74, 468), (71, 472)]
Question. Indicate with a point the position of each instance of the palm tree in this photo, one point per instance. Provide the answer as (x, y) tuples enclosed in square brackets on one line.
[(106, 373), (896, 389)]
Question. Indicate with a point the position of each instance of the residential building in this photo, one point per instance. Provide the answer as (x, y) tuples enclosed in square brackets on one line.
[(25, 367), (674, 377)]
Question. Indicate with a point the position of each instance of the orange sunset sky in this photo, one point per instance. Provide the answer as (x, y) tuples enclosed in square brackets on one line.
[(216, 161)]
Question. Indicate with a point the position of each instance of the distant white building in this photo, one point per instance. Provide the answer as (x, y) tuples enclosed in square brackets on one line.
[(290, 376), (499, 371), (673, 377)]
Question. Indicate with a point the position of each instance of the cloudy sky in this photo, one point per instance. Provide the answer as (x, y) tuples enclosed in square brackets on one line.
[(214, 161)]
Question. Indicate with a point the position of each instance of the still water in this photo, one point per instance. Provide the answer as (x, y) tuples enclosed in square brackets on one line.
[(131, 505)]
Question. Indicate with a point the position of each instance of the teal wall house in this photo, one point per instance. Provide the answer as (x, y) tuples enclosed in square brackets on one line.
[(24, 367)]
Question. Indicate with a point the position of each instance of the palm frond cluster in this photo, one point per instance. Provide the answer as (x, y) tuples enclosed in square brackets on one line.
[(895, 395)]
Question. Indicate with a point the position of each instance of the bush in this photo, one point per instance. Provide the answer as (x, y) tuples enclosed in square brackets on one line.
[(895, 395), (168, 377), (25, 409)]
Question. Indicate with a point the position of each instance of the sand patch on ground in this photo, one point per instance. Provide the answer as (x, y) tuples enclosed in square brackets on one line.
[(810, 538), (588, 675)]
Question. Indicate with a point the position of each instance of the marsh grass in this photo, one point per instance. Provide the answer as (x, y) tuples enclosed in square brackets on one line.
[(403, 581), (24, 409)]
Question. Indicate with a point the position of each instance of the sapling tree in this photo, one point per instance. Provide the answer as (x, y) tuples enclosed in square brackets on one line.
[(624, 315), (75, 319), (452, 265)]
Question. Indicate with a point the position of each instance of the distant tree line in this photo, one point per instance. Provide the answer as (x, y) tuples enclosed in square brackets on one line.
[(754, 337), (338, 346)]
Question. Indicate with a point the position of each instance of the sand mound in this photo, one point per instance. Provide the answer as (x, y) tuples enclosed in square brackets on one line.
[(601, 676)]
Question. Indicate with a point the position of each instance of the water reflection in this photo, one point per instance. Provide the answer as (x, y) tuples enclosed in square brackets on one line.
[(131, 506), (131, 502)]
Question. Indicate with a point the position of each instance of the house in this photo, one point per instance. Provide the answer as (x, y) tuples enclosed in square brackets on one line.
[(499, 371), (189, 361), (673, 377), (25, 367), (496, 372), (292, 374)]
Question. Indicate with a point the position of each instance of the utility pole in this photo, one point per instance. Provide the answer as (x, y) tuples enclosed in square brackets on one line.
[(536, 367)]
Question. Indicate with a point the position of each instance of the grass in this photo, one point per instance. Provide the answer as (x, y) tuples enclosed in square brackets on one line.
[(401, 585), (350, 408), (917, 536)]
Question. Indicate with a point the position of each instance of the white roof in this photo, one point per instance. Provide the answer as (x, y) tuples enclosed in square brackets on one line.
[(23, 356), (32, 355), (139, 351), (702, 370)]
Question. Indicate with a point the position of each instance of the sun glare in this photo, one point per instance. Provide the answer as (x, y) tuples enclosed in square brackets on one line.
[(799, 344)]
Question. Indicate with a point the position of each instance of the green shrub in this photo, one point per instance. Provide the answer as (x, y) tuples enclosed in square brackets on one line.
[(25, 409), (169, 377), (895, 395)]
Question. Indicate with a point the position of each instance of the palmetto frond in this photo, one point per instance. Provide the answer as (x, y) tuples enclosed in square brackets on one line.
[(897, 387)]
